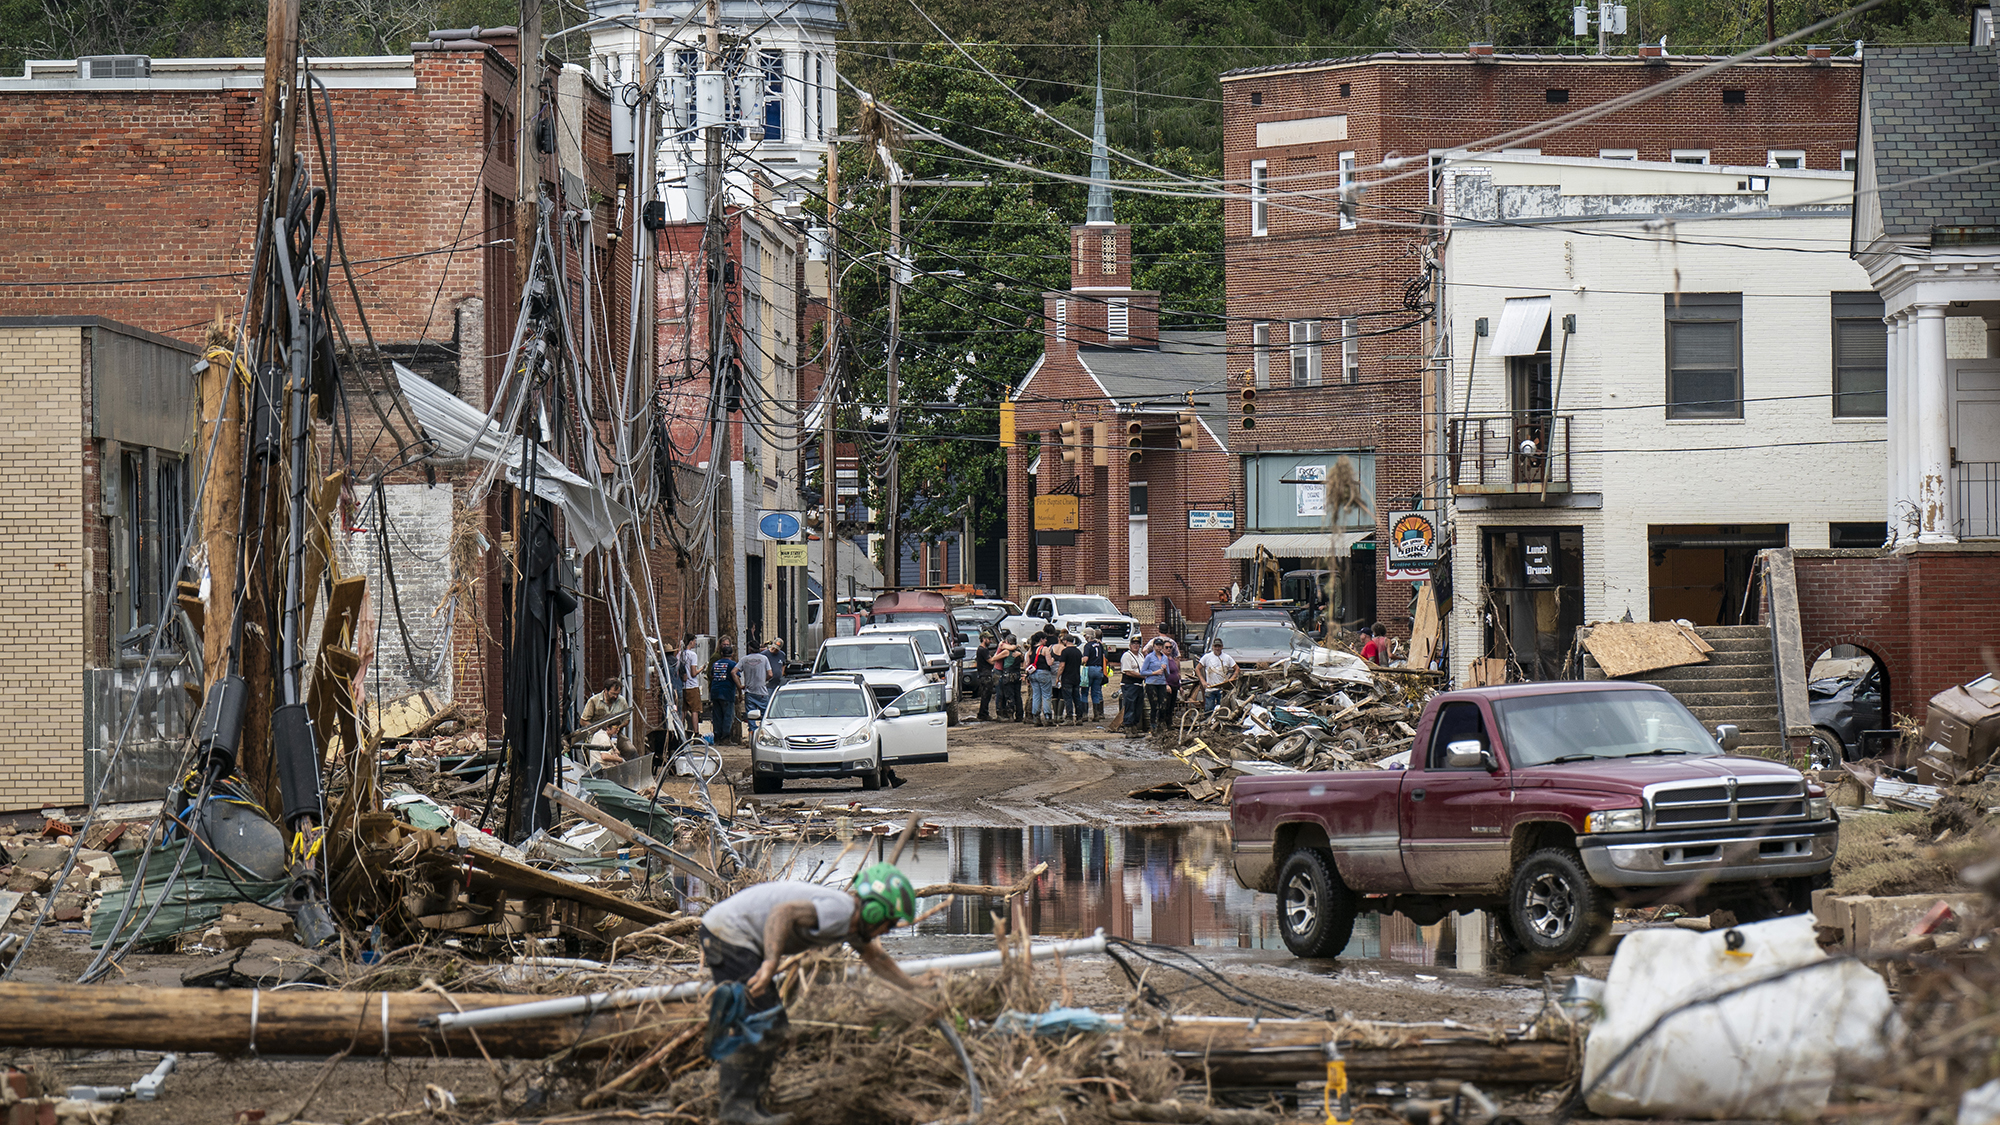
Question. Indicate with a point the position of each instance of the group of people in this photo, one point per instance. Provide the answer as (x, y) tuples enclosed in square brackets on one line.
[(1066, 674), (735, 687)]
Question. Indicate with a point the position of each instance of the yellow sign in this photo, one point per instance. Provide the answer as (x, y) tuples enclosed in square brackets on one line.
[(791, 554), (1007, 424), (1055, 513)]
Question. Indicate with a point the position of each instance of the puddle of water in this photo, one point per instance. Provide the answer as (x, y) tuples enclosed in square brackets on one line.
[(1168, 884)]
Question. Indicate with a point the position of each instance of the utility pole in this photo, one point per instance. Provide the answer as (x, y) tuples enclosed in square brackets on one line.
[(527, 152), (721, 357), (829, 522), (646, 145), (894, 511)]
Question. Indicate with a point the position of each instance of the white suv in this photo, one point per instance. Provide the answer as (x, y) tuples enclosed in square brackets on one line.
[(941, 655), (830, 726)]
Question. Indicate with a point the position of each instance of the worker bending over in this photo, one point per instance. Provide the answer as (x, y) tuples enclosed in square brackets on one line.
[(742, 939)]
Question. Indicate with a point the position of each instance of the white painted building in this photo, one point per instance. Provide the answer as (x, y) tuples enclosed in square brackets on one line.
[(783, 93), (1638, 404)]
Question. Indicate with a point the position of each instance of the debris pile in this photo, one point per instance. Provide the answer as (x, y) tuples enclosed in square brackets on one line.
[(1329, 710)]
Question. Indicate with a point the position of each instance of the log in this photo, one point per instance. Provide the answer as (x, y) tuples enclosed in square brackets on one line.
[(1240, 1052), (975, 889), (99, 1017)]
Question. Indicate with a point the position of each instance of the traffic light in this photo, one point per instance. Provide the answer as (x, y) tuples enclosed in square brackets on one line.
[(1135, 442), (1186, 430), (1249, 396), (1072, 441), (1100, 444), (1007, 424)]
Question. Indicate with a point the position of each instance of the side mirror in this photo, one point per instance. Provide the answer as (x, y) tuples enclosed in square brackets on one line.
[(753, 714), (892, 712), (1468, 754), (1727, 735), (938, 663)]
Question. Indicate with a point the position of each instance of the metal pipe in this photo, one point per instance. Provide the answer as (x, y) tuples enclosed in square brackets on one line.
[(688, 990)]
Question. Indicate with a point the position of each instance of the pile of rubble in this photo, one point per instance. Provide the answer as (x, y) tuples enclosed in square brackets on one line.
[(1331, 710)]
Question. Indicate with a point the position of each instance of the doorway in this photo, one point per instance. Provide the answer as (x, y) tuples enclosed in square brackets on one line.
[(753, 598), (1702, 573), (1534, 599)]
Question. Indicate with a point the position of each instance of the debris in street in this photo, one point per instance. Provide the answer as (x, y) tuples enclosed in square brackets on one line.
[(1627, 648)]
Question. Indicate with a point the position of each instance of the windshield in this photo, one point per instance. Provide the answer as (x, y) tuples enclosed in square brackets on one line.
[(1571, 726), (894, 654), (1266, 637), (931, 617), (1087, 605), (931, 643), (817, 703), (979, 614)]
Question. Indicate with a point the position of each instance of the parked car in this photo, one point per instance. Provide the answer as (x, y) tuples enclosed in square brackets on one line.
[(890, 665), (831, 726), (1841, 710), (984, 613), (1255, 637), (940, 650), (1544, 803), (1073, 612)]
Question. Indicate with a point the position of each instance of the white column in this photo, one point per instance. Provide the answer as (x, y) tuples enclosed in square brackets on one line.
[(1933, 430), (1912, 410), (1893, 399)]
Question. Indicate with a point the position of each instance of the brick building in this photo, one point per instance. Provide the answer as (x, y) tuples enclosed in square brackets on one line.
[(1331, 309), (1129, 392), (134, 199)]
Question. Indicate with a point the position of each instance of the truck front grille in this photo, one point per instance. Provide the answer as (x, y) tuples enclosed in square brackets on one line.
[(1727, 801)]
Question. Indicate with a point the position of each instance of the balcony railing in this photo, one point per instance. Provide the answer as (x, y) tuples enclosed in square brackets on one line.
[(1978, 499), (1499, 453)]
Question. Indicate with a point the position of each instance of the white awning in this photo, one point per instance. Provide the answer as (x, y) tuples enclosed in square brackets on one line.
[(1522, 321), (1311, 545), (591, 517)]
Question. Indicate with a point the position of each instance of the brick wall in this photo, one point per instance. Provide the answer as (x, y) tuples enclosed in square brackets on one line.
[(1306, 267), (42, 627), (1927, 614)]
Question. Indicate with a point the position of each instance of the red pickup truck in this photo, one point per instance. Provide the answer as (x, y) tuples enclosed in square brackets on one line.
[(1544, 804)]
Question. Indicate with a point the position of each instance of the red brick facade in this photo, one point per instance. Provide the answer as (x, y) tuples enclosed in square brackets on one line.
[(1928, 615), (1307, 267), (1182, 566)]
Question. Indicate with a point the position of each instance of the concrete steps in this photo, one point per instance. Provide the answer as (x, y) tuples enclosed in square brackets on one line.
[(1736, 685)]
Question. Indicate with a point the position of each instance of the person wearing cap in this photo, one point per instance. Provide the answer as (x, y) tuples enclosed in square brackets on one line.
[(1154, 668), (1216, 671), (611, 708), (743, 938), (1132, 685)]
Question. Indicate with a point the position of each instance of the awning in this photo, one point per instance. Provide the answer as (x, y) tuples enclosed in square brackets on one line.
[(1522, 321), (1312, 545), (591, 517)]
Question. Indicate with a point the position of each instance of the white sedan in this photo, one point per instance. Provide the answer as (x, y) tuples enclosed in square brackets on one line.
[(828, 726)]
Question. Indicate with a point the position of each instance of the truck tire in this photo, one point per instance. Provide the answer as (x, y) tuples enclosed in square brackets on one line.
[(1315, 909), (1552, 906)]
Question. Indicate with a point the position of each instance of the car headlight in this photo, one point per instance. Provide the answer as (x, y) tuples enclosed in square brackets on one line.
[(1615, 820), (858, 738), (1819, 808), (767, 735)]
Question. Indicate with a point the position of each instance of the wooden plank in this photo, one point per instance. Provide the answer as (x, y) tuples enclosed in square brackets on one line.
[(1627, 648), (1426, 631), (520, 877), (398, 717), (629, 834)]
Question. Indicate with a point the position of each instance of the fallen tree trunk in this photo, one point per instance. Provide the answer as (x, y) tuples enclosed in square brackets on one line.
[(238, 1022), (1238, 1052)]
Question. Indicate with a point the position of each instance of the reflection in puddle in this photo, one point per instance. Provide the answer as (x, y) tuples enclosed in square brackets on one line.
[(1167, 884)]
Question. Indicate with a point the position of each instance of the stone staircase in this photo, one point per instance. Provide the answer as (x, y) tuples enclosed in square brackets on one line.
[(1737, 685)]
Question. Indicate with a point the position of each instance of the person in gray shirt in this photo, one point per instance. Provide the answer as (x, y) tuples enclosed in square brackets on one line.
[(744, 936), (755, 668)]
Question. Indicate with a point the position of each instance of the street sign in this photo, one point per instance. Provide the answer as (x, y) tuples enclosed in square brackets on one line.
[(778, 525), (1211, 519), (1413, 538), (1055, 513), (790, 554)]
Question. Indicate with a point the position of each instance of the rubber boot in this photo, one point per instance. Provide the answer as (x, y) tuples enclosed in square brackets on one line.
[(740, 1080), (1098, 710)]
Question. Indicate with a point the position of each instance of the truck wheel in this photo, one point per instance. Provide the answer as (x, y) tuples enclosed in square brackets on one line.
[(1552, 906), (1315, 909)]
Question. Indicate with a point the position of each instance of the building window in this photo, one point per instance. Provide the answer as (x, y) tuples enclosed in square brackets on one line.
[(1847, 160), (1860, 356), (1107, 254), (1256, 97), (1062, 319), (1735, 97), (1618, 154), (1556, 97), (1785, 158), (1347, 219), (1350, 350), (500, 132), (774, 95), (1704, 355), (1690, 156), (1305, 353), (1136, 491), (1260, 198), (1260, 354), (1117, 317), (1346, 89)]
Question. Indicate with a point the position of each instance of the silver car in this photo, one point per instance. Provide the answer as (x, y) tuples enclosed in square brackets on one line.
[(830, 726)]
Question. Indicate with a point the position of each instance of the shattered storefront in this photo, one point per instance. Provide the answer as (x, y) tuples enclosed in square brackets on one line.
[(1531, 599)]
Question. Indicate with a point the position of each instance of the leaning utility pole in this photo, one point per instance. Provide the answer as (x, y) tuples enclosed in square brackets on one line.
[(645, 150), (893, 510), (721, 357), (829, 520), (527, 153)]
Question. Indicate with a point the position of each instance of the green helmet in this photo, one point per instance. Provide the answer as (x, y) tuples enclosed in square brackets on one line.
[(885, 893)]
